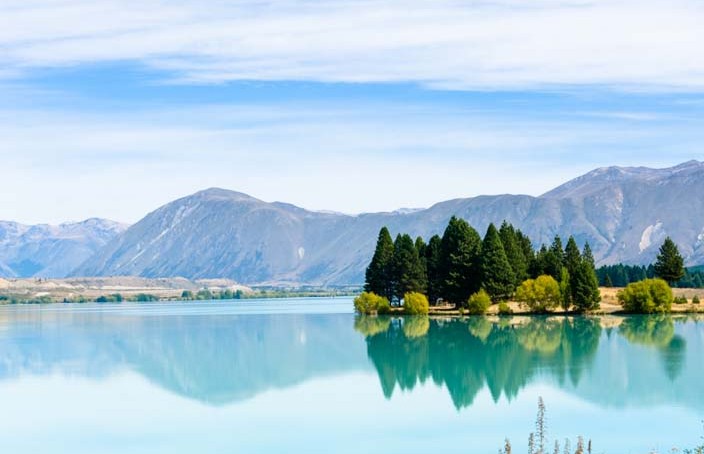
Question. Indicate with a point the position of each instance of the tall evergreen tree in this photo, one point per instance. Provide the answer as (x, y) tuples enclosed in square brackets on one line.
[(526, 246), (572, 260), (540, 265), (432, 260), (572, 255), (459, 261), (554, 259), (584, 284), (498, 278), (421, 248), (407, 270), (378, 275), (588, 255), (669, 264), (514, 252)]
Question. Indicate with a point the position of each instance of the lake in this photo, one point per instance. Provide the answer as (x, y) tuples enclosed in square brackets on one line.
[(307, 376)]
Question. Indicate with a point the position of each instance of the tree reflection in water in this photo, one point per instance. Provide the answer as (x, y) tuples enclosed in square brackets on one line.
[(503, 353)]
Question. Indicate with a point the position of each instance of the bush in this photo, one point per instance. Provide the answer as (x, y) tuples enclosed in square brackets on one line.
[(371, 303), (478, 303), (504, 308), (646, 297), (680, 300), (541, 294), (415, 303), (695, 300)]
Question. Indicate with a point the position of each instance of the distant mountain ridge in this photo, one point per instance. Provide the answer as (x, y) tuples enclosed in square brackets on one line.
[(624, 213), (52, 250)]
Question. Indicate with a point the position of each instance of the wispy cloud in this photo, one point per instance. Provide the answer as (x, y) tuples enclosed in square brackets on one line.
[(653, 44), (68, 164)]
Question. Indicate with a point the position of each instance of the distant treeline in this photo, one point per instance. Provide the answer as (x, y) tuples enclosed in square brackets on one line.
[(621, 275), (460, 263)]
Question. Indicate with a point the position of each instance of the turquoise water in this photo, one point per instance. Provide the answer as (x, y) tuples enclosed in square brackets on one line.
[(305, 375)]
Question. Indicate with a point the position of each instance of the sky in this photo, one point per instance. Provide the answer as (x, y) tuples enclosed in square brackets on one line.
[(113, 108)]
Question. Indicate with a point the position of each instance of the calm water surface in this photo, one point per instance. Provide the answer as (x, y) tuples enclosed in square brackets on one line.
[(306, 376)]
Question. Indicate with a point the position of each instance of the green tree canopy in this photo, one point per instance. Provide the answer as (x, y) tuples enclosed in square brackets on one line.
[(378, 275), (670, 264), (432, 265), (514, 252), (408, 274), (459, 261), (646, 297), (540, 294), (497, 275)]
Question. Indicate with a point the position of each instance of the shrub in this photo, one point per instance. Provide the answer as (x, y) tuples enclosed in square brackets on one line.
[(695, 300), (371, 303), (680, 300), (415, 303), (504, 308), (541, 294), (478, 303), (646, 297)]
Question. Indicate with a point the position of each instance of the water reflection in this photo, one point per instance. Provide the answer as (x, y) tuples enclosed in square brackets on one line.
[(506, 354), (220, 359), (212, 358)]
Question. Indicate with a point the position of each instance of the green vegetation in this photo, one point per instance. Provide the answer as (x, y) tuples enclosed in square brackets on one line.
[(114, 298), (541, 294), (669, 265), (415, 303), (498, 278), (680, 300), (460, 250), (695, 300), (459, 264), (371, 303), (379, 270), (478, 303), (646, 297), (504, 308)]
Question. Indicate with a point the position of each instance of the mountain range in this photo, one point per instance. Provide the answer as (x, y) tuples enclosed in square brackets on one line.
[(624, 213)]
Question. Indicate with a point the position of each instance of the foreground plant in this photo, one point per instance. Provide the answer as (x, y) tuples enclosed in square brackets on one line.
[(538, 442)]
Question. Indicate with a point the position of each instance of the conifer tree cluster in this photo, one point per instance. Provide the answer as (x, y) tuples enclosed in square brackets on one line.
[(460, 263), (669, 266)]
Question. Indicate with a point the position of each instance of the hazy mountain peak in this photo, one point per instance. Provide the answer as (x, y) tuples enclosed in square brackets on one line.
[(220, 193)]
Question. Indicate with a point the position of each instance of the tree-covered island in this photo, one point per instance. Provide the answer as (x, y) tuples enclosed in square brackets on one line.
[(462, 272)]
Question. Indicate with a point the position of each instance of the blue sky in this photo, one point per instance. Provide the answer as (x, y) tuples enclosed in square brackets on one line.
[(111, 108)]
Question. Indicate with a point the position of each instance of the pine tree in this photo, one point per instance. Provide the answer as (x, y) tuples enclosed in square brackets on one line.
[(540, 265), (432, 261), (607, 282), (572, 255), (497, 275), (514, 252), (571, 262), (670, 264), (526, 246), (459, 261), (585, 285), (421, 248), (378, 275), (407, 270), (554, 259), (588, 255)]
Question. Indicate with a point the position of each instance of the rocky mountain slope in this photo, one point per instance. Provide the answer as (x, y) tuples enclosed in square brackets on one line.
[(52, 251), (624, 213)]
